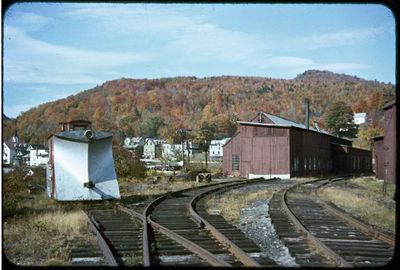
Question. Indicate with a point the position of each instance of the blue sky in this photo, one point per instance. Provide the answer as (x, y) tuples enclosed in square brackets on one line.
[(53, 50)]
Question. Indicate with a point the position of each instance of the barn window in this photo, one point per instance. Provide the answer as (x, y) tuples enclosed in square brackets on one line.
[(235, 162), (310, 163), (315, 164)]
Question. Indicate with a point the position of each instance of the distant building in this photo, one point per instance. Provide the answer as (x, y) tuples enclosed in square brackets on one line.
[(38, 156), (215, 151), (10, 150), (272, 146), (152, 148), (8, 153), (18, 153), (22, 156), (133, 142), (360, 118), (171, 151)]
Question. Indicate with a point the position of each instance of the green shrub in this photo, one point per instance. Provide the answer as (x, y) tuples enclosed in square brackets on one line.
[(195, 168), (18, 186), (127, 164)]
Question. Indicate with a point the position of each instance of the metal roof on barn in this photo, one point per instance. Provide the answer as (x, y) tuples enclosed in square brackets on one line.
[(282, 121)]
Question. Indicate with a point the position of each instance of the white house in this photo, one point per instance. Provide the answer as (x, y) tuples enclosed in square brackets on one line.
[(170, 151), (215, 151), (8, 153), (22, 156), (360, 118), (38, 156), (133, 142), (152, 148)]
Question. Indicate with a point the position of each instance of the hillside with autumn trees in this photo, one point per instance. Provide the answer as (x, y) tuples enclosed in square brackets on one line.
[(158, 107)]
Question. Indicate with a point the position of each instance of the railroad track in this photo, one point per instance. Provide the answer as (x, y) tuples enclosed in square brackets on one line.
[(172, 230), (300, 219), (206, 242), (119, 235)]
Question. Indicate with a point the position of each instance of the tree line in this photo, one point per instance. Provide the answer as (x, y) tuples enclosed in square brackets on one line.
[(159, 107)]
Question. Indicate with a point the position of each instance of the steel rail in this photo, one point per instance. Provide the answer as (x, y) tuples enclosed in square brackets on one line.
[(146, 249), (356, 223), (232, 247), (147, 222), (130, 212), (196, 249), (324, 249), (105, 248), (201, 252)]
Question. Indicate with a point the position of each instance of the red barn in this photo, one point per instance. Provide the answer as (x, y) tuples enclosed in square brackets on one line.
[(386, 147), (272, 146)]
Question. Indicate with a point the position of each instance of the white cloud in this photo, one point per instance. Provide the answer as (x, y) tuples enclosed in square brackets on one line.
[(48, 63), (187, 35), (206, 42), (133, 18), (334, 39), (26, 20)]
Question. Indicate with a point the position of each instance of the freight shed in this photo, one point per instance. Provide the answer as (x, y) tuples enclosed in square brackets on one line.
[(385, 147), (272, 146)]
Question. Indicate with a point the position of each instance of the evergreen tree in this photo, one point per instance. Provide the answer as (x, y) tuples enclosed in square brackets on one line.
[(339, 120)]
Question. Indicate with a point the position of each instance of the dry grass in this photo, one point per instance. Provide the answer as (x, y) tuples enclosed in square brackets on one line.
[(42, 239), (71, 224), (230, 203), (364, 199)]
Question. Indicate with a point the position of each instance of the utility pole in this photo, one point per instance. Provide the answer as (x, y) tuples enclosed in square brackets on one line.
[(183, 134)]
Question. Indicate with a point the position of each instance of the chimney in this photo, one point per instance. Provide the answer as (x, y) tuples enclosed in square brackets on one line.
[(307, 124)]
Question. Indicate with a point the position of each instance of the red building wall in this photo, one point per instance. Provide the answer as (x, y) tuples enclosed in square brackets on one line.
[(347, 159), (310, 152), (281, 151), (262, 151), (378, 155), (390, 143)]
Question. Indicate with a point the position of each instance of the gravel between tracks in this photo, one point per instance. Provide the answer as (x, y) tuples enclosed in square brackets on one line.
[(255, 223)]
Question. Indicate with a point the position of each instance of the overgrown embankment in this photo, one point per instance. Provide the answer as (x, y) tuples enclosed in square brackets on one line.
[(364, 198), (38, 231)]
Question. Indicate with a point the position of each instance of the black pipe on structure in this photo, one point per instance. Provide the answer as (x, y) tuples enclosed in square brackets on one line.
[(307, 124)]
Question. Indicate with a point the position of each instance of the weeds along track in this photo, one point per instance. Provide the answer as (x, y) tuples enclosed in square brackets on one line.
[(178, 235), (119, 235), (303, 223)]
